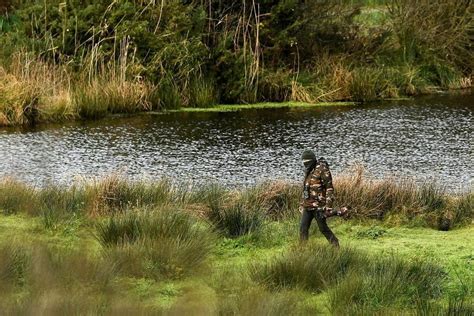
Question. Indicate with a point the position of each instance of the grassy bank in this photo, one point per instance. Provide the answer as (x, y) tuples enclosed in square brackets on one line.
[(74, 63), (117, 247), (263, 105)]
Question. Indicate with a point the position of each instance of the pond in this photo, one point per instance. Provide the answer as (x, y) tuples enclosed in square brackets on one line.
[(429, 138)]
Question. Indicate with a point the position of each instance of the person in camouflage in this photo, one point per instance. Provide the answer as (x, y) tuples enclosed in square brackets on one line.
[(318, 197)]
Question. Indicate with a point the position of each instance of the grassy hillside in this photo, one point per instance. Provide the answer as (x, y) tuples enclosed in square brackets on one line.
[(116, 247), (63, 60)]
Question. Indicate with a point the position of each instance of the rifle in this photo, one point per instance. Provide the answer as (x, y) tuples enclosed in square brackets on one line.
[(336, 211), (327, 212)]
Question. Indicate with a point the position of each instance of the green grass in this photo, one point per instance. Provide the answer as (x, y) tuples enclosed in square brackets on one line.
[(116, 246), (413, 261), (256, 106)]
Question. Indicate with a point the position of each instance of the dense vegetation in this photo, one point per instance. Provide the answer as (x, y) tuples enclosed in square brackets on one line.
[(119, 247), (83, 59)]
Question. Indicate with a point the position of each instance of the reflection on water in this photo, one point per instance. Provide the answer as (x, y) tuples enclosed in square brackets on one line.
[(429, 138)]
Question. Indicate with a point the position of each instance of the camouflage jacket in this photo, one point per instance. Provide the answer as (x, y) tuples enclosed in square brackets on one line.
[(318, 191)]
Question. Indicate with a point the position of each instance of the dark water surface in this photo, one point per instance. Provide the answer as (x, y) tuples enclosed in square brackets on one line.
[(426, 138)]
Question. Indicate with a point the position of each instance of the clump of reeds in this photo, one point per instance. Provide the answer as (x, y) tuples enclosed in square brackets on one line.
[(257, 300), (111, 95), (279, 199), (454, 306), (462, 209), (115, 194), (372, 198), (355, 280), (162, 242), (34, 279), (16, 197), (203, 93), (13, 266), (32, 91), (18, 100), (387, 282), (310, 266), (237, 214)]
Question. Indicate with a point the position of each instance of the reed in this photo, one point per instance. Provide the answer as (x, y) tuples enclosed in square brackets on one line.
[(203, 93), (33, 91), (356, 281)]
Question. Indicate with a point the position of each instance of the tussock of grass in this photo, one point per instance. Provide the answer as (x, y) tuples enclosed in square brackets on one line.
[(356, 281), (165, 242), (260, 301), (34, 279), (386, 282), (309, 266), (237, 215), (203, 93), (110, 95), (156, 261), (32, 91), (15, 197), (399, 199), (13, 266)]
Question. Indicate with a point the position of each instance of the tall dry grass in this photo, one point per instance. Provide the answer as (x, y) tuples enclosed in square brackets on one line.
[(32, 90), (402, 200), (242, 211)]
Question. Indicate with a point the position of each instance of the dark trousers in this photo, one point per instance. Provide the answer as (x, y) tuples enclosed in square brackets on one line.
[(322, 225)]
